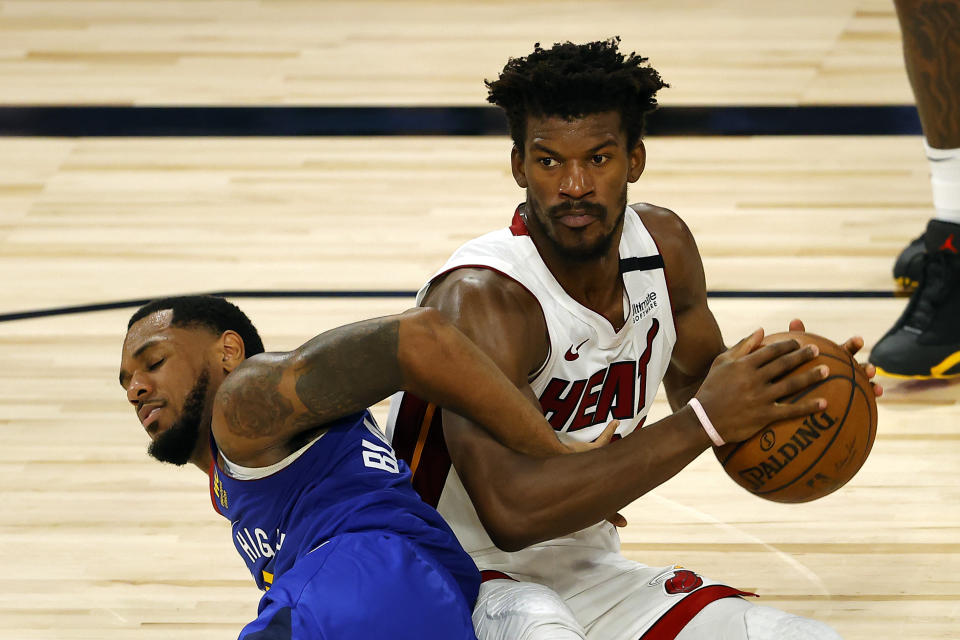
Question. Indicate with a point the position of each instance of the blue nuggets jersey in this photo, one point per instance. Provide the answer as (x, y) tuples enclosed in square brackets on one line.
[(347, 481)]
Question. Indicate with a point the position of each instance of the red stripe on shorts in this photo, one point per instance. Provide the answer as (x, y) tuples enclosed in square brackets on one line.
[(670, 624), (488, 574)]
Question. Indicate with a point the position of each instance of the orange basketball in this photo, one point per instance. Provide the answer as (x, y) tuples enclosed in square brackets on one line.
[(803, 459)]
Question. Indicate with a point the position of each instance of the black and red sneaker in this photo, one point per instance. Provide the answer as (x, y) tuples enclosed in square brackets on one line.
[(925, 341)]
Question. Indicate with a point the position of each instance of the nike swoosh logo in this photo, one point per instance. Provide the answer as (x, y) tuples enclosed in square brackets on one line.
[(574, 352)]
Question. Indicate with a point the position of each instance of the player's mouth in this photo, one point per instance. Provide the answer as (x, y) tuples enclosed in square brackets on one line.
[(148, 413), (576, 219)]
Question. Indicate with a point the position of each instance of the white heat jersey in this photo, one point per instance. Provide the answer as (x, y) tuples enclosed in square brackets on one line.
[(593, 374)]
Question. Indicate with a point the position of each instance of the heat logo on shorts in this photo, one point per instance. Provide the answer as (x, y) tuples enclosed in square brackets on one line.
[(682, 581), (677, 580)]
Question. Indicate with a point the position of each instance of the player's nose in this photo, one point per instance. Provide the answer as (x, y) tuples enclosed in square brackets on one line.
[(137, 388), (576, 181)]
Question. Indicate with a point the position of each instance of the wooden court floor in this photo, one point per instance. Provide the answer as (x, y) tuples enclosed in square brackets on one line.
[(101, 542)]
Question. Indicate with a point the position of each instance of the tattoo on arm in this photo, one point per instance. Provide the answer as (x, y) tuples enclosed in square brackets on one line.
[(337, 373), (253, 404), (348, 369)]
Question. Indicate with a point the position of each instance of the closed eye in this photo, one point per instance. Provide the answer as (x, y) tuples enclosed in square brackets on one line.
[(156, 365)]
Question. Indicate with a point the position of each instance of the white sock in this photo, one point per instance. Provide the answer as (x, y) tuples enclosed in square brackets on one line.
[(945, 179)]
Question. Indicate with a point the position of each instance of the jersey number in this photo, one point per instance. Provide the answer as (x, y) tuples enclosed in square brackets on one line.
[(377, 457)]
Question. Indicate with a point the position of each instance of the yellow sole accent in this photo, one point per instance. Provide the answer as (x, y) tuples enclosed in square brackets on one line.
[(948, 363), (936, 373), (904, 286)]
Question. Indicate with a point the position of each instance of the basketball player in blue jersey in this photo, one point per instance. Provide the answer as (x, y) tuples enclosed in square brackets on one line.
[(587, 305), (322, 512)]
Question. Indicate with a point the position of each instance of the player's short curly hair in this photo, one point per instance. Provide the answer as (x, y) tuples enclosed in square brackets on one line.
[(573, 80), (211, 312)]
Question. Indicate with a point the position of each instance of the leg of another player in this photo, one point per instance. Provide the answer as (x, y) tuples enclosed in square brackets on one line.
[(736, 619), (925, 341)]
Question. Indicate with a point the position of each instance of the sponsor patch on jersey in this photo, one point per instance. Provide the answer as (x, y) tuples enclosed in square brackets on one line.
[(642, 309)]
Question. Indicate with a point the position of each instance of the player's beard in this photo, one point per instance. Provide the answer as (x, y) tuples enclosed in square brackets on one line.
[(176, 444), (581, 252)]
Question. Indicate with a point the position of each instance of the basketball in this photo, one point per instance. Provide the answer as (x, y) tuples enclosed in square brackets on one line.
[(803, 459)]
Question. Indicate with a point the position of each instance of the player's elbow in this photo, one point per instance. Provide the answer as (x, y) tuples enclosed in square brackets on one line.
[(513, 526), (511, 537), (424, 332)]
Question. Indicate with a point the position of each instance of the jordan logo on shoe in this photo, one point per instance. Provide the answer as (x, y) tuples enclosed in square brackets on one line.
[(574, 352), (948, 245)]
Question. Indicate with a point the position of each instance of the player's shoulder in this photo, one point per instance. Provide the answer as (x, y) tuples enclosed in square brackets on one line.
[(666, 227), (681, 258), (498, 313), (472, 285)]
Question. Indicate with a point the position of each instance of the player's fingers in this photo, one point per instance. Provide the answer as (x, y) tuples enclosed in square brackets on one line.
[(747, 345), (799, 409), (770, 352), (604, 438), (608, 433), (789, 361), (617, 520), (797, 325), (793, 383), (853, 345), (869, 371)]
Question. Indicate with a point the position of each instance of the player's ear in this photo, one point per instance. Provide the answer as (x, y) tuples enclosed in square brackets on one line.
[(516, 163), (232, 351), (638, 160)]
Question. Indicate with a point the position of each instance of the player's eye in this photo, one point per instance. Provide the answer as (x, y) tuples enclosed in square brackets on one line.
[(548, 162), (156, 365), (600, 160)]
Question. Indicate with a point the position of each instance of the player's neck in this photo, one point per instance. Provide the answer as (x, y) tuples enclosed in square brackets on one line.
[(202, 456), (203, 461), (595, 283)]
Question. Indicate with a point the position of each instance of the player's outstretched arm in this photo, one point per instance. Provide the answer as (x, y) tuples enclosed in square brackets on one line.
[(270, 399)]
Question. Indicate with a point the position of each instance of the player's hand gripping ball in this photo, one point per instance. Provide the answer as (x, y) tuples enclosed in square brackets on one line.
[(803, 459)]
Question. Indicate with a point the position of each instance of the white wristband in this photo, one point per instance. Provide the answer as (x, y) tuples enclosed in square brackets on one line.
[(705, 422)]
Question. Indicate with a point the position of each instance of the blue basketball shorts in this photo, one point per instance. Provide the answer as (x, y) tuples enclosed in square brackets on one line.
[(360, 586)]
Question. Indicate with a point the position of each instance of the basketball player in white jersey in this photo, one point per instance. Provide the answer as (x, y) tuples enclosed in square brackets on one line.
[(587, 304)]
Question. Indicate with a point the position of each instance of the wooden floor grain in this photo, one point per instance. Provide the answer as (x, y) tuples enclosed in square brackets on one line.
[(351, 52)]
